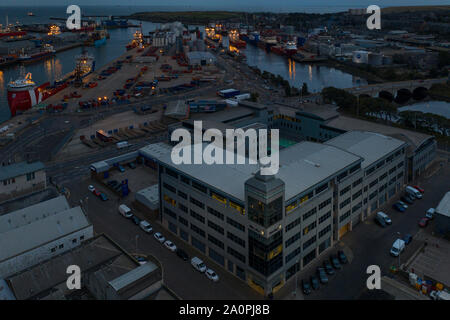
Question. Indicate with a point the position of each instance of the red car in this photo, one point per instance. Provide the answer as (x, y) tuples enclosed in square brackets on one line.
[(423, 222), (419, 189), (96, 192)]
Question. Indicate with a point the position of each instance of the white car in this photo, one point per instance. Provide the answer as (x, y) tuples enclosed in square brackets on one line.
[(91, 188), (147, 227), (212, 275), (170, 245), (430, 213), (158, 236)]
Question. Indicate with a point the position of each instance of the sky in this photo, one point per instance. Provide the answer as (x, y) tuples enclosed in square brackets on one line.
[(276, 5)]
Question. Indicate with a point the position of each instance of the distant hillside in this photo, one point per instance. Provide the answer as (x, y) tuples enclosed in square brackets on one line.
[(414, 9), (187, 16)]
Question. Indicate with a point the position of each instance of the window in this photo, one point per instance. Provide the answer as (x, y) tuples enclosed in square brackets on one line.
[(324, 204), (236, 254), (74, 240), (61, 246), (218, 197), (198, 230), (198, 244), (81, 238), (172, 173), (384, 175), (400, 165), (373, 195), (236, 239), (292, 224), (53, 249), (292, 239), (173, 228), (309, 242), (312, 226), (199, 187), (215, 213), (197, 203), (183, 207), (183, 221), (185, 180), (344, 216), (324, 217), (357, 207), (169, 187), (197, 216), (345, 190), (380, 164), (354, 168), (170, 213), (324, 231), (215, 241), (215, 227), (357, 194), (182, 194), (216, 257), (293, 254), (357, 182), (235, 224), (322, 188), (344, 203), (30, 176), (392, 170), (369, 171), (265, 214), (373, 183), (342, 176), (309, 213)]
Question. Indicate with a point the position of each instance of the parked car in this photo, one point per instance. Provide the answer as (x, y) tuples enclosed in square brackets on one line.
[(147, 227), (403, 204), (91, 188), (170, 245), (121, 169), (383, 216), (211, 275), (328, 268), (322, 275), (125, 211), (342, 257), (306, 287), (380, 222), (314, 282), (421, 190), (103, 196), (407, 199), (132, 165), (407, 238), (158, 236), (413, 192), (423, 222), (397, 206), (335, 262), (182, 254), (198, 264), (140, 259), (430, 213), (397, 247), (136, 220)]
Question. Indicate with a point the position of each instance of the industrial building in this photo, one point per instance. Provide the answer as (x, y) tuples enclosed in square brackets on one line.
[(200, 58), (107, 271), (442, 220), (45, 230), (21, 178)]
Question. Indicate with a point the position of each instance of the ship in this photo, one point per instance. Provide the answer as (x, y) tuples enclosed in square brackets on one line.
[(30, 14), (23, 93), (290, 48), (99, 37), (46, 52), (136, 42), (253, 38), (11, 32)]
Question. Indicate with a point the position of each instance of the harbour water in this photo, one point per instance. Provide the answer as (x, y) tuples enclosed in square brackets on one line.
[(441, 108)]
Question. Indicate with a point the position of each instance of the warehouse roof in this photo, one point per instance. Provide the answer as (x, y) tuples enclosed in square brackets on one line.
[(41, 210), (41, 231), (369, 145), (444, 206), (19, 169), (302, 166), (202, 55)]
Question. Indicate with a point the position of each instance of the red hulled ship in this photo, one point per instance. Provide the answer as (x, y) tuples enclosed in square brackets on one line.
[(24, 94)]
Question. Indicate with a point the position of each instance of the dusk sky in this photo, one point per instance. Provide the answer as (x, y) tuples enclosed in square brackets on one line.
[(215, 4)]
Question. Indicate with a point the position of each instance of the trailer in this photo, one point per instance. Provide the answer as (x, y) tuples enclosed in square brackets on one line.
[(228, 93)]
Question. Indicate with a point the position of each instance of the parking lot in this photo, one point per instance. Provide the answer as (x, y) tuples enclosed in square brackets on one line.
[(179, 275)]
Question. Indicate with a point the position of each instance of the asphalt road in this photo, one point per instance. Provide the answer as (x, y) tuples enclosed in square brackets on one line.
[(369, 244), (179, 275)]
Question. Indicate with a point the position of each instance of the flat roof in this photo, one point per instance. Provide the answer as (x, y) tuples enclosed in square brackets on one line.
[(325, 112), (444, 205), (416, 139), (302, 166), (151, 193), (368, 145), (37, 233), (19, 169)]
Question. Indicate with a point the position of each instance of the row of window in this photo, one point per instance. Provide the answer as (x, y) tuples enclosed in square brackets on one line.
[(344, 216), (324, 231), (236, 239)]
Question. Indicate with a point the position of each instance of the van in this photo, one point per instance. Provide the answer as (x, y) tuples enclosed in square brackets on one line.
[(383, 216), (413, 192), (125, 211), (147, 227), (198, 264), (397, 247), (122, 144)]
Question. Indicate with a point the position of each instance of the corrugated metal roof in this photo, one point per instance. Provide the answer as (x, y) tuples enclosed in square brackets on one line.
[(133, 276), (444, 206), (19, 218), (19, 169), (39, 232)]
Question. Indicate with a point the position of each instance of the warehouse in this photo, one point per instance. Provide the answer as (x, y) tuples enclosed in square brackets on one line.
[(201, 58), (442, 223)]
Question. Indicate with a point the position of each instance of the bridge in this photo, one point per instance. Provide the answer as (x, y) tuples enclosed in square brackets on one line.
[(392, 89)]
